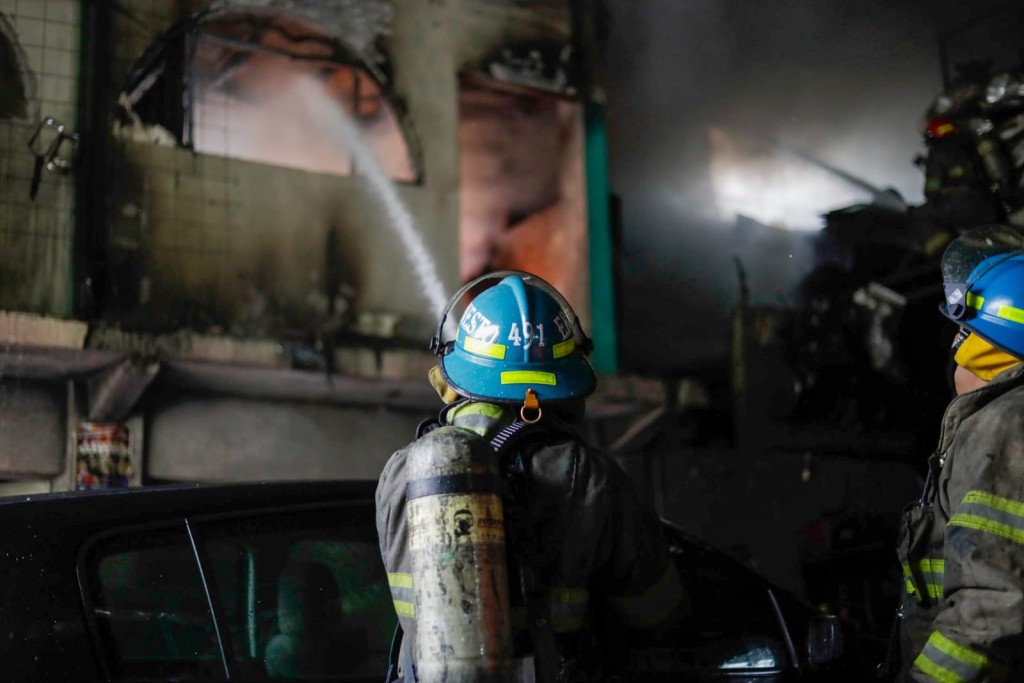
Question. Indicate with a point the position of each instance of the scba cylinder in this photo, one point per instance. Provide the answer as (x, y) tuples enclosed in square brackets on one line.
[(457, 551)]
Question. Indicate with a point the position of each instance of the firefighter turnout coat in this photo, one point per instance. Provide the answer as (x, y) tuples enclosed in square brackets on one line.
[(962, 544), (599, 541)]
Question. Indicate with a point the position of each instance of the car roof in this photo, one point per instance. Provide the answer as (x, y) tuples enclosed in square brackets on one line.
[(85, 510)]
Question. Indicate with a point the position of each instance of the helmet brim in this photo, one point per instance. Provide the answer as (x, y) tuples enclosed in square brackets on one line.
[(573, 378)]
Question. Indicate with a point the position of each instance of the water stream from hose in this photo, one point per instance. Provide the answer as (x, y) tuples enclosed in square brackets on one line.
[(365, 164)]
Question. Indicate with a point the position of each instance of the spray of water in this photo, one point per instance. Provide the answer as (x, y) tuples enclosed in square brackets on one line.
[(365, 163)]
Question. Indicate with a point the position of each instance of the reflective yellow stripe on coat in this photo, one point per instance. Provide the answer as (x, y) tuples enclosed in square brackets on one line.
[(949, 662), (568, 608), (485, 419), (931, 570), (401, 593), (991, 514)]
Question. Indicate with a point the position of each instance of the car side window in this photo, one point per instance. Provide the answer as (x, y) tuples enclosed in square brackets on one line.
[(150, 608), (295, 594), (301, 595)]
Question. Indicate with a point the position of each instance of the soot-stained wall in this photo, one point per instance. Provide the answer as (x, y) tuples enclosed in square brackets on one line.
[(222, 245), (219, 244)]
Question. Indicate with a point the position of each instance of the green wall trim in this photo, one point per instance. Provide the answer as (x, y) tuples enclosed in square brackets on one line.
[(602, 274)]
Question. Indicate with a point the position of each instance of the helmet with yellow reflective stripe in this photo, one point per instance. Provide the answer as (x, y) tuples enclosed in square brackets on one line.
[(517, 334), (983, 278)]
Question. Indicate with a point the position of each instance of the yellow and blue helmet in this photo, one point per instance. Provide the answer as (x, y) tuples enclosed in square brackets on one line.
[(516, 335), (983, 277)]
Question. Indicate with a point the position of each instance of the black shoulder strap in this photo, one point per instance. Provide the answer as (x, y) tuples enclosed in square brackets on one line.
[(548, 661), (505, 440)]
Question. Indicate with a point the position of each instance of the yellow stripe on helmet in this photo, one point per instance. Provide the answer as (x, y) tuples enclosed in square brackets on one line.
[(482, 348), (1010, 313), (529, 377), (563, 349)]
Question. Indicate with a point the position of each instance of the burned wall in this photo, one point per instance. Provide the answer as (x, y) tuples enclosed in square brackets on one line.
[(523, 201), (189, 439), (33, 424), (495, 35), (147, 234), (225, 245)]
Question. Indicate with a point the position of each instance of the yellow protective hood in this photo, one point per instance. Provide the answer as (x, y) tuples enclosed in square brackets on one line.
[(982, 359), (446, 393)]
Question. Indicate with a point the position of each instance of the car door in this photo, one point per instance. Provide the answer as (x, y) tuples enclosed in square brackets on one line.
[(296, 593), (733, 629)]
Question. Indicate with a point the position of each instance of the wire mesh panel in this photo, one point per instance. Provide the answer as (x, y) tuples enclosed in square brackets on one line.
[(39, 43)]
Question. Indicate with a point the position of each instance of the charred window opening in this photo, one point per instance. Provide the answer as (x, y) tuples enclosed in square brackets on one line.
[(523, 194), (267, 88), (13, 99)]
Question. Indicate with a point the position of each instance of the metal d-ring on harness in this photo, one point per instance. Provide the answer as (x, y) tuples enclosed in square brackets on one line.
[(530, 413)]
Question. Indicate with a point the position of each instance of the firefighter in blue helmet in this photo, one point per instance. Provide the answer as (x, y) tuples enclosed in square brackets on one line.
[(962, 544), (503, 534)]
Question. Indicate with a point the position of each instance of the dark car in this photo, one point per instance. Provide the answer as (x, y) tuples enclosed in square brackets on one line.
[(284, 581)]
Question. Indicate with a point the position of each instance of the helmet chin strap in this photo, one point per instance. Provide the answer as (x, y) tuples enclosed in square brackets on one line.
[(951, 363)]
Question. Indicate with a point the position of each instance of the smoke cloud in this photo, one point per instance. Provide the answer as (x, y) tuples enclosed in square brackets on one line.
[(708, 100)]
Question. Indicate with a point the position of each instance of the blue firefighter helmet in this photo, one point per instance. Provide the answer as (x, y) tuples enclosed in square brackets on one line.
[(516, 335), (983, 276)]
